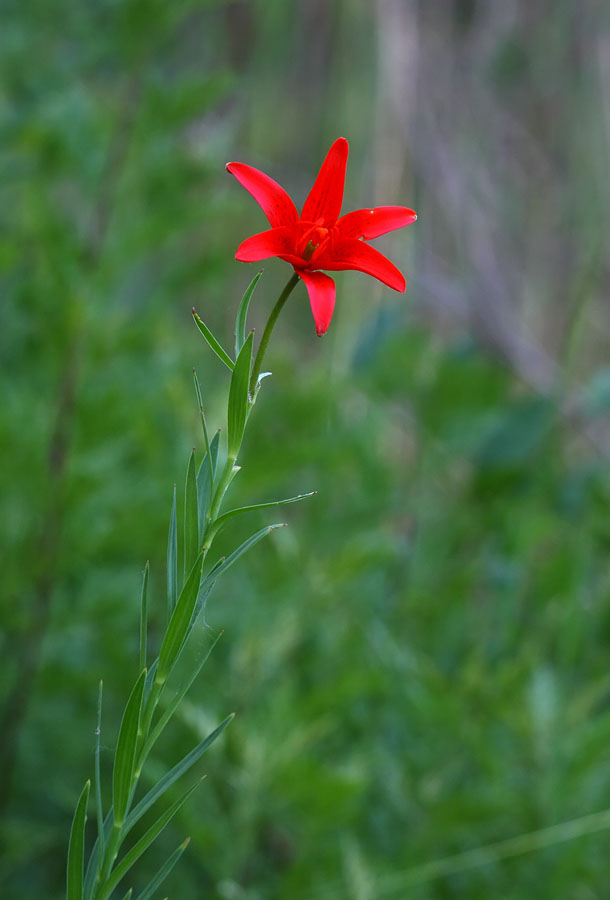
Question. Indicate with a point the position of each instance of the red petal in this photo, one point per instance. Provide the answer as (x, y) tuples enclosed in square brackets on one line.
[(370, 223), (275, 242), (347, 253), (275, 202), (321, 290), (326, 196)]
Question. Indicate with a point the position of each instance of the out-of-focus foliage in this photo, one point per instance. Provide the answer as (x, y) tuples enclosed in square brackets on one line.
[(419, 664)]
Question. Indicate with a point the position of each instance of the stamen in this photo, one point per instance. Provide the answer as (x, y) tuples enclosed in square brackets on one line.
[(309, 249)]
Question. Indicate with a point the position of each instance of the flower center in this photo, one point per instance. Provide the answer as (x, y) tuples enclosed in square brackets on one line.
[(314, 237)]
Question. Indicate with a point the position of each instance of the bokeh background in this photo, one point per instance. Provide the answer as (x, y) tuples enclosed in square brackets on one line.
[(420, 664)]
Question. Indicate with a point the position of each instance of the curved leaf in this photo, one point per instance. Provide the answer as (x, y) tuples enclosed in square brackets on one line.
[(76, 848), (220, 352), (125, 755), (242, 312), (238, 398)]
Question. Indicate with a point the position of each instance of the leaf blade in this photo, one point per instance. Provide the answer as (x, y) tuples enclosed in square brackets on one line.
[(205, 481), (98, 777), (140, 847), (215, 345), (243, 548), (191, 516), (177, 628), (144, 616), (242, 313), (238, 398), (172, 559), (231, 513), (170, 777), (125, 754), (76, 848), (163, 872)]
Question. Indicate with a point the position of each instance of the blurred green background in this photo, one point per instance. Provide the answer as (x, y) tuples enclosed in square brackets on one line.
[(420, 664)]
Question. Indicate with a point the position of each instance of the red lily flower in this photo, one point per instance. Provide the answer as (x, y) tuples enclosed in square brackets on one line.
[(318, 238)]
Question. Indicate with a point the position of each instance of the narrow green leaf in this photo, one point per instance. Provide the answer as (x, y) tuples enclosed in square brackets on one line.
[(98, 777), (95, 858), (76, 848), (140, 847), (243, 548), (220, 352), (125, 754), (245, 509), (242, 313), (170, 777), (163, 872), (178, 627), (144, 616), (191, 517), (172, 560), (206, 440), (177, 699), (205, 481), (128, 894), (238, 398)]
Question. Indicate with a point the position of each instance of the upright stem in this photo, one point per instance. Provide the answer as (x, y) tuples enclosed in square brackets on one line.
[(262, 349)]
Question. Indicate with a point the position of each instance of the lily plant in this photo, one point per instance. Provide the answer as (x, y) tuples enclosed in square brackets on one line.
[(317, 239)]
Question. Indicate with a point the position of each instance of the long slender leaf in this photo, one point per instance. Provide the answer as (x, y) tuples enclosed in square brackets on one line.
[(170, 777), (238, 398), (76, 848), (243, 548), (125, 755), (177, 629), (177, 699), (128, 894), (163, 872), (140, 847), (220, 352), (242, 313), (206, 439), (205, 481), (191, 517), (172, 560), (245, 509), (98, 776), (95, 857), (144, 616)]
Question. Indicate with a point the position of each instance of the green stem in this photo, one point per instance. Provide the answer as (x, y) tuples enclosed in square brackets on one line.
[(262, 349)]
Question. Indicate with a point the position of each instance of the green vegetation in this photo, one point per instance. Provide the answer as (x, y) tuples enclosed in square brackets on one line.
[(419, 663)]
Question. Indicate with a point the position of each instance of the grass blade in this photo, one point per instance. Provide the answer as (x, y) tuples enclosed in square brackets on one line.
[(144, 616), (245, 509), (125, 755), (220, 352), (140, 847), (243, 548), (206, 440), (98, 777), (205, 481), (191, 517), (238, 398), (76, 848), (95, 858), (170, 777), (172, 560), (177, 699), (178, 627), (163, 872), (242, 313), (128, 894)]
